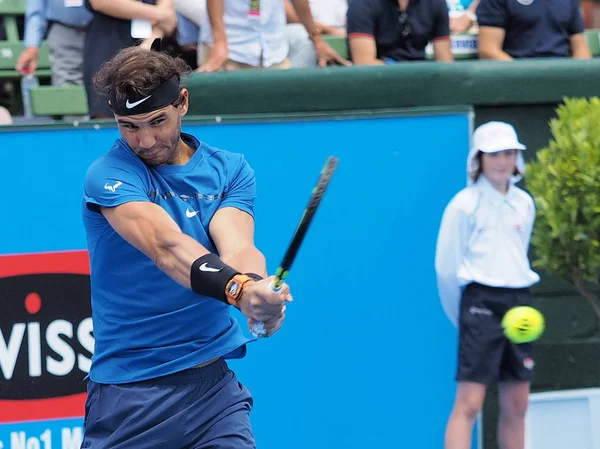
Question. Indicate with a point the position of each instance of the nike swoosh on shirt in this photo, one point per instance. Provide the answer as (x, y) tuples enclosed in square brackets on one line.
[(129, 105), (190, 213)]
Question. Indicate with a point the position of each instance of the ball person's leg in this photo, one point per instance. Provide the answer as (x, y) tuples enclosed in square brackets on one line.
[(467, 405)]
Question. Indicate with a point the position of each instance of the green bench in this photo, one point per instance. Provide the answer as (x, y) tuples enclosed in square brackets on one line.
[(339, 44), (59, 100), (9, 53)]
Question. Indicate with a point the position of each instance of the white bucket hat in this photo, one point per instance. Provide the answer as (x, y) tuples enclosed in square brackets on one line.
[(492, 137)]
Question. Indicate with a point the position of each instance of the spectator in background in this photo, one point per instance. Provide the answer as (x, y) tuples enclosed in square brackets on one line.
[(530, 29), (66, 23), (462, 15), (251, 34), (386, 31), (188, 35), (116, 25), (330, 19), (191, 14)]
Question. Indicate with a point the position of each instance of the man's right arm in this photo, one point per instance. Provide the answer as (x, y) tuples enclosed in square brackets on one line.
[(152, 231)]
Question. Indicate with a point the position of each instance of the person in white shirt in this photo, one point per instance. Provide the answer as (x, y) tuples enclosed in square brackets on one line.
[(482, 271), (250, 34)]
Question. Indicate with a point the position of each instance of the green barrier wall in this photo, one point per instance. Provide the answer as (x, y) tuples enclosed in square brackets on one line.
[(525, 91)]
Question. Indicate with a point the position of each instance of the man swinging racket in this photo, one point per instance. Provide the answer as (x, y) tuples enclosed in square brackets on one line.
[(170, 232)]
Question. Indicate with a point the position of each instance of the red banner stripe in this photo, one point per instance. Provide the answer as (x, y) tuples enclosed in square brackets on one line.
[(67, 262), (72, 406)]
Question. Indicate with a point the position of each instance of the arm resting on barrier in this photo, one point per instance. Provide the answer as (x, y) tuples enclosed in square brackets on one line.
[(364, 50), (491, 40), (442, 50), (579, 47)]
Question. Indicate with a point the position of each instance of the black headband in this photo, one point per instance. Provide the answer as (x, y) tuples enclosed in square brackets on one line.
[(162, 96), (132, 104)]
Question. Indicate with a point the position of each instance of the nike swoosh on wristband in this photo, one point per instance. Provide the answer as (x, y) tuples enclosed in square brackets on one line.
[(205, 267), (129, 105)]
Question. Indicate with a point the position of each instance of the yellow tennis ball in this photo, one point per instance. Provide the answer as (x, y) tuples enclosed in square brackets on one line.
[(523, 324)]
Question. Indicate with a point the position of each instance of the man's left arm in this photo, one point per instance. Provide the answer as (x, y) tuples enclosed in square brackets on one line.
[(325, 53), (232, 226), (232, 230)]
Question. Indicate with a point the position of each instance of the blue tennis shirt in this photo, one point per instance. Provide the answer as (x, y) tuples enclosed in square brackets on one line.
[(145, 324)]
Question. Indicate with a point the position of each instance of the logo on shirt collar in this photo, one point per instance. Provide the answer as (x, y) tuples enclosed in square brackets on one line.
[(525, 2)]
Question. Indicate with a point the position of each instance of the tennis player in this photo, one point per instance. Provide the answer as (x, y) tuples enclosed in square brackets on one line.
[(170, 232), (483, 270)]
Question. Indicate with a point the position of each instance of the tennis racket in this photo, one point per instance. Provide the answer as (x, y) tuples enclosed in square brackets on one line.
[(258, 328)]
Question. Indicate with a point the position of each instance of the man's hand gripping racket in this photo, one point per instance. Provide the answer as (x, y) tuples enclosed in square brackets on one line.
[(258, 328)]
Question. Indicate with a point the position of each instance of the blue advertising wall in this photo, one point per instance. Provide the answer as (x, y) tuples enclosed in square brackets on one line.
[(366, 357)]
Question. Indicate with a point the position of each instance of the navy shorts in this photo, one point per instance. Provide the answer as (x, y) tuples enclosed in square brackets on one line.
[(485, 355), (199, 408)]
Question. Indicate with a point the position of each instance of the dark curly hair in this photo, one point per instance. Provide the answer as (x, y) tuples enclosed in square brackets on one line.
[(137, 71)]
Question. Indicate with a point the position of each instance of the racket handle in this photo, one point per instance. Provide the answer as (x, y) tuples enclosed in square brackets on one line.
[(258, 329)]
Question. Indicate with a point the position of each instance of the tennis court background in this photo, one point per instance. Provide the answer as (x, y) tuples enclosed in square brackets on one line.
[(366, 357)]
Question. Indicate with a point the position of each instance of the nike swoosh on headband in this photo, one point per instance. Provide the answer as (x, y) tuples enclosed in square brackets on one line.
[(129, 105)]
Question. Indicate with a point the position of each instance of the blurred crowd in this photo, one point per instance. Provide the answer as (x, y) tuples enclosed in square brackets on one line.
[(217, 35)]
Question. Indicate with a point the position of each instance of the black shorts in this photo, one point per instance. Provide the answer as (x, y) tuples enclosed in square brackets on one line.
[(485, 355)]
